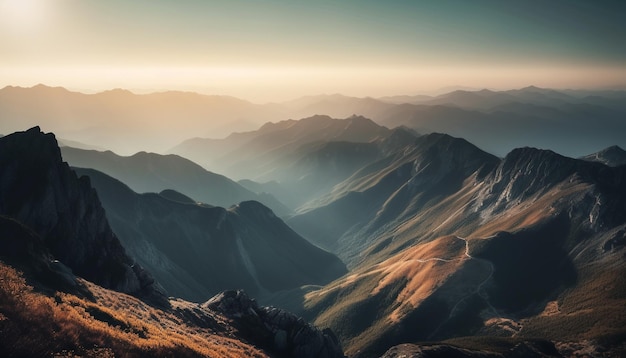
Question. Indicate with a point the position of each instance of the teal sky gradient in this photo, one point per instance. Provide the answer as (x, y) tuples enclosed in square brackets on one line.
[(51, 37)]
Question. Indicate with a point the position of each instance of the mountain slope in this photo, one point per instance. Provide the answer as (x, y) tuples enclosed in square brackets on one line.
[(53, 231), (150, 172), (319, 166), (253, 155), (306, 158), (389, 191), (492, 252), (40, 191), (196, 251), (39, 320)]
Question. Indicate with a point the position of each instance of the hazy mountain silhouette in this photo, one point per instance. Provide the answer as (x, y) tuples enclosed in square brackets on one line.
[(196, 251), (496, 121), (150, 172), (567, 128), (273, 143), (499, 121), (300, 159), (127, 122), (336, 106)]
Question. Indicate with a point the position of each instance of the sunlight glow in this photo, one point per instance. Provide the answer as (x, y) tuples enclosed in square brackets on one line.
[(22, 16)]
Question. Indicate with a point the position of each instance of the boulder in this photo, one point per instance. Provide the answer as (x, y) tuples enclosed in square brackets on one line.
[(275, 329)]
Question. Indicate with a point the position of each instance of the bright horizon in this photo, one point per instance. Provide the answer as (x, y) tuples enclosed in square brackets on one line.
[(277, 50)]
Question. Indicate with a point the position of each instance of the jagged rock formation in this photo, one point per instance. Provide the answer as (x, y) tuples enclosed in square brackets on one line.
[(40, 191), (275, 329)]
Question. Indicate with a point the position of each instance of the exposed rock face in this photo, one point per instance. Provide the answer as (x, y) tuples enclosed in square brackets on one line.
[(527, 173), (40, 191), (275, 329)]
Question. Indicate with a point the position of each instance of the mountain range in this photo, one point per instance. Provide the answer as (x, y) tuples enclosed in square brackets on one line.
[(64, 274), (571, 122), (444, 240), (393, 237), (306, 158), (196, 251), (151, 172)]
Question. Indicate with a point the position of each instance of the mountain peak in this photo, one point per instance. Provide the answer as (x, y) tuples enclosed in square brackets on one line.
[(529, 159), (527, 171), (612, 156), (40, 191)]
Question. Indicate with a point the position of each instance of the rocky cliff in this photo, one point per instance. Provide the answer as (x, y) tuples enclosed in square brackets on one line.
[(40, 191)]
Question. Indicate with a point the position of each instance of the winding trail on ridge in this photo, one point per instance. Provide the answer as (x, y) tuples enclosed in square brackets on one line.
[(478, 290)]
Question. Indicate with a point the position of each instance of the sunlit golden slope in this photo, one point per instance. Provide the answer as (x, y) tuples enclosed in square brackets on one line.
[(543, 234), (35, 323)]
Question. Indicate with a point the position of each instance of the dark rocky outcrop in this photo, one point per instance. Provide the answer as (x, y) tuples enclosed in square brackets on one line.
[(275, 329), (40, 191), (23, 248), (525, 349)]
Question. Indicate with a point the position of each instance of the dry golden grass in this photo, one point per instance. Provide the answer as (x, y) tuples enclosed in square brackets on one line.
[(425, 267), (35, 324), (363, 306)]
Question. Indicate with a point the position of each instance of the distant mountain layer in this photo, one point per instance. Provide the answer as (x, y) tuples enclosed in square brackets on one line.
[(127, 122), (444, 240), (197, 251), (150, 172), (572, 122), (260, 151), (305, 157)]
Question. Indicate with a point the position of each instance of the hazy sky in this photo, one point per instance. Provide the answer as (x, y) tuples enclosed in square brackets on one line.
[(274, 50)]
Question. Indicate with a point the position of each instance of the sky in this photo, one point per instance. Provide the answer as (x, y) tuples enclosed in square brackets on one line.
[(273, 50)]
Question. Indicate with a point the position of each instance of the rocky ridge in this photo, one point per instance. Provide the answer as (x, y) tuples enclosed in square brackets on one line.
[(275, 329), (40, 191)]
